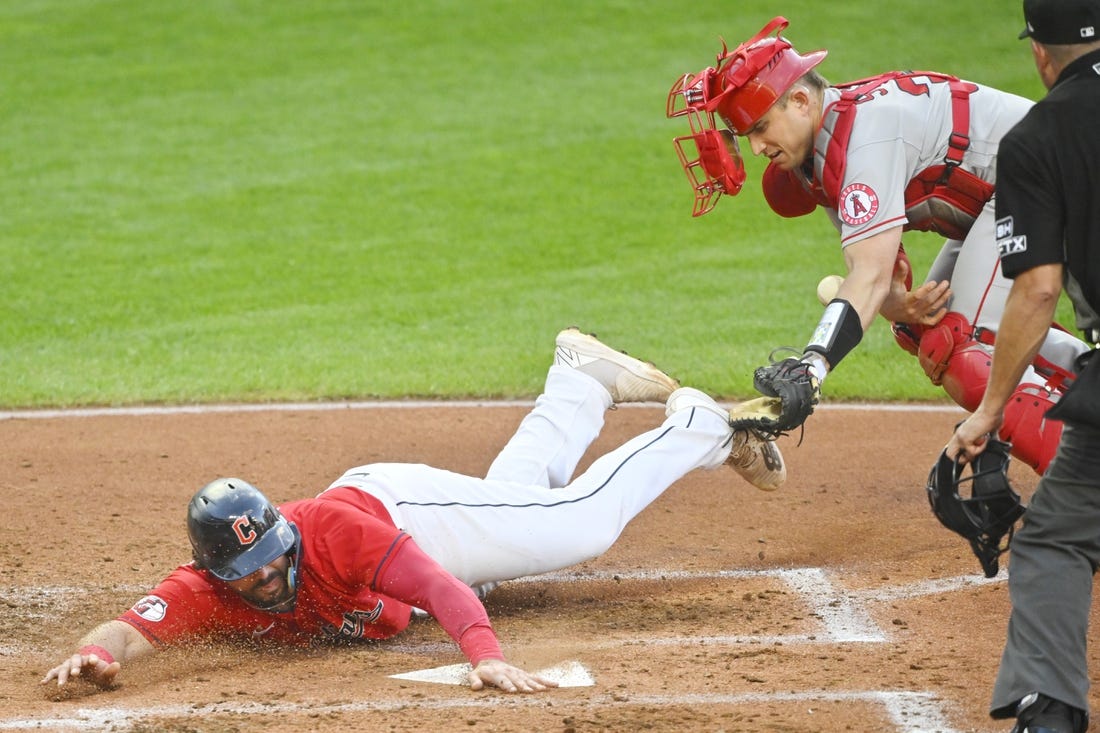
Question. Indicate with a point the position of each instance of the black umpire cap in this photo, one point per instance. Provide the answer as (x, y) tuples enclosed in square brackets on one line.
[(1062, 22)]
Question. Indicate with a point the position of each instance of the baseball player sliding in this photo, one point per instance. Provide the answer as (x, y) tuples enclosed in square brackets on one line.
[(896, 151), (384, 539)]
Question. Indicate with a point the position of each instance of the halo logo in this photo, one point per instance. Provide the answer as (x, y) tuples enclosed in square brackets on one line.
[(858, 204)]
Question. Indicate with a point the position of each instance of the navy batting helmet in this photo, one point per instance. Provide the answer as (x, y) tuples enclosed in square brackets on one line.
[(235, 530), (987, 516)]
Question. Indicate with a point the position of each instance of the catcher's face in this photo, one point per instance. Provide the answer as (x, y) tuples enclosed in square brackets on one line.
[(785, 134), (268, 588)]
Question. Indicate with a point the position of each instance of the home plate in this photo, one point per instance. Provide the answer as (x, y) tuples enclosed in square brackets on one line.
[(567, 674)]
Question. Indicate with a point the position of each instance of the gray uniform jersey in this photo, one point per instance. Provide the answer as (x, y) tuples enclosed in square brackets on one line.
[(902, 128)]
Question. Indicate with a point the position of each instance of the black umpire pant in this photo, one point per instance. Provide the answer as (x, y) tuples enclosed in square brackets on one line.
[(1054, 556)]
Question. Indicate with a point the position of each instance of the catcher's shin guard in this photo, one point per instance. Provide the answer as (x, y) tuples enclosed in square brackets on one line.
[(1034, 438), (953, 359), (959, 363)]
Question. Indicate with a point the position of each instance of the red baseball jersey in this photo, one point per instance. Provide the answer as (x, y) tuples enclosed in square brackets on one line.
[(348, 539)]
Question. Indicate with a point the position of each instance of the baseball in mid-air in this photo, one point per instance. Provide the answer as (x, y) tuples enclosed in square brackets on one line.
[(826, 289)]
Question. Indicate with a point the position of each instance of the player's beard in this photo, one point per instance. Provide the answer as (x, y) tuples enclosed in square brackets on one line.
[(273, 594)]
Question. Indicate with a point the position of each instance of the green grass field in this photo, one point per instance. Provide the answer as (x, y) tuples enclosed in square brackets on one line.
[(274, 200)]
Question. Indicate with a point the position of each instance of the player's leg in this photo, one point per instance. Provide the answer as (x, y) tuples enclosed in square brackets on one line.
[(586, 378), (944, 265), (980, 291), (487, 530), (979, 287), (552, 438), (954, 357), (1054, 556)]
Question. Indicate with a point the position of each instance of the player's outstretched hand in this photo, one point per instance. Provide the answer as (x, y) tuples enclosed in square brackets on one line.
[(498, 673), (88, 667)]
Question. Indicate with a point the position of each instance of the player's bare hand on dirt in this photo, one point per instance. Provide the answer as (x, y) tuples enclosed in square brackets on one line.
[(497, 673), (88, 667), (925, 305)]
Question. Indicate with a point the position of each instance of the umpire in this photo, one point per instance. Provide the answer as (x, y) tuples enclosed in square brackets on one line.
[(1048, 233)]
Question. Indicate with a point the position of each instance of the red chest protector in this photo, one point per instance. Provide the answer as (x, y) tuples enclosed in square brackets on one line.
[(942, 198)]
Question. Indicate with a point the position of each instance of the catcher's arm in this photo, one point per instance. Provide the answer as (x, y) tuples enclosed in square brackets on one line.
[(851, 306), (792, 386)]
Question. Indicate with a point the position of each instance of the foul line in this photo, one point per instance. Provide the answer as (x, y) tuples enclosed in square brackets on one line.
[(388, 405), (844, 621)]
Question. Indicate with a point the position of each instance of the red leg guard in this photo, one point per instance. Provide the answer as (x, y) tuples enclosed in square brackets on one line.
[(953, 359), (1034, 438), (938, 348), (967, 374), (907, 336)]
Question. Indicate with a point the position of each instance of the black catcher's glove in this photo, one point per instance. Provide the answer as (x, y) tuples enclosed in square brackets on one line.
[(794, 390)]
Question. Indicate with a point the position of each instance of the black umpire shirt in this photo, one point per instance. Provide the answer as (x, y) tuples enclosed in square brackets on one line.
[(1048, 188)]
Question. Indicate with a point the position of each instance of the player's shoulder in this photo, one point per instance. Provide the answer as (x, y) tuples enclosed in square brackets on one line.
[(337, 510), (185, 583)]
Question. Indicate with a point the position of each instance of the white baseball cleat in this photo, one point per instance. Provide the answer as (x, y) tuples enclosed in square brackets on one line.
[(627, 379), (757, 460)]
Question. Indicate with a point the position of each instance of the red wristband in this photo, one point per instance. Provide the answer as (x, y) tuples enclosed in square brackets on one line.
[(98, 651)]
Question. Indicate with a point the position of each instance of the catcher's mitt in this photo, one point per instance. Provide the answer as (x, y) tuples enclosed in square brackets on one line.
[(791, 390)]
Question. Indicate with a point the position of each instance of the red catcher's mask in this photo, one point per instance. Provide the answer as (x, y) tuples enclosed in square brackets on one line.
[(743, 85)]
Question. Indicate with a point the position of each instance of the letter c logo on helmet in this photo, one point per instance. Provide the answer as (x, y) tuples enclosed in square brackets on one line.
[(242, 527)]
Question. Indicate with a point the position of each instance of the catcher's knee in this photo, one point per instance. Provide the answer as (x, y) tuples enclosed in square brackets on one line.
[(1034, 438), (953, 359), (939, 343), (967, 375)]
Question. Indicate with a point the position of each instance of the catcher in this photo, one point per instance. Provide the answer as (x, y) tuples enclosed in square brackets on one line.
[(897, 151), (384, 539)]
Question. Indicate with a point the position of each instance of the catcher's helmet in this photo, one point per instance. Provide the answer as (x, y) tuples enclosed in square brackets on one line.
[(745, 84), (748, 80), (235, 530), (988, 515)]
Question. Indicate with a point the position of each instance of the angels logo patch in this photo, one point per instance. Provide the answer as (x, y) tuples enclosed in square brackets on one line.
[(151, 608), (858, 204)]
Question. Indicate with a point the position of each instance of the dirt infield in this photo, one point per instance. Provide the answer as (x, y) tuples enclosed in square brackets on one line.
[(835, 603)]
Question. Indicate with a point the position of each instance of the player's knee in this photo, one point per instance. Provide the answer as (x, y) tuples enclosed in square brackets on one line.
[(967, 375), (939, 344)]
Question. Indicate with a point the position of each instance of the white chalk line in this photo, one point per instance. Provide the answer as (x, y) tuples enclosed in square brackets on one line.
[(910, 712), (388, 405)]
